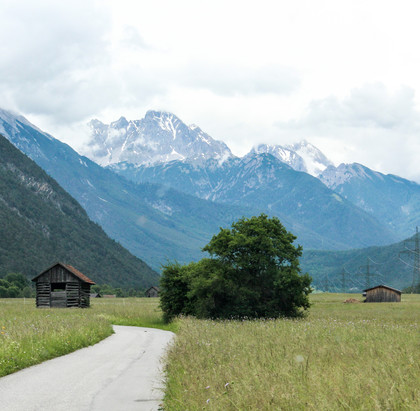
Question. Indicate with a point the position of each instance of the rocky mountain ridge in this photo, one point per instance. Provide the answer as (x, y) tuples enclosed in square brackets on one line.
[(161, 137), (390, 199), (394, 201), (301, 156), (171, 209), (158, 137)]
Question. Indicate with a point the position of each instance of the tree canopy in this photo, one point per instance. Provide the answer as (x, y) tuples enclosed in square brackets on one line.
[(14, 285), (253, 271)]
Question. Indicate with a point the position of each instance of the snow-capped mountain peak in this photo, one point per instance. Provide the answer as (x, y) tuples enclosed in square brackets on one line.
[(315, 161), (284, 154), (158, 137), (301, 156), (120, 123), (334, 177), (13, 122)]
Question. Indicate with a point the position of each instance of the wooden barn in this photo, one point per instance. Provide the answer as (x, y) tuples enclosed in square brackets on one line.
[(61, 285), (152, 292), (382, 294)]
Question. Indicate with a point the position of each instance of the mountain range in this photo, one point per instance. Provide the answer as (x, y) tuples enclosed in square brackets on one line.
[(390, 200), (158, 137), (394, 201), (301, 156), (317, 215), (162, 188), (153, 222)]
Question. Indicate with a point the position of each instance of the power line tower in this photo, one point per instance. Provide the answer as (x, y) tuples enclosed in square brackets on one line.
[(368, 273), (343, 280), (415, 252), (326, 285)]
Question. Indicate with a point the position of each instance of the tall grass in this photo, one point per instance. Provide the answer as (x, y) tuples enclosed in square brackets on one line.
[(29, 335), (342, 356), (140, 312)]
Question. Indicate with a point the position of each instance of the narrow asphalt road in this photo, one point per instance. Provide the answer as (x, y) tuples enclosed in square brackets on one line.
[(121, 373)]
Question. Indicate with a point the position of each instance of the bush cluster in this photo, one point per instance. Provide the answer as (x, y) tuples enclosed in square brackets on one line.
[(14, 285), (253, 271)]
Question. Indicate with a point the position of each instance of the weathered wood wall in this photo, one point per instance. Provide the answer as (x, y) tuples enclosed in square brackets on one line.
[(58, 299), (74, 292), (382, 295), (56, 274), (84, 295), (43, 294)]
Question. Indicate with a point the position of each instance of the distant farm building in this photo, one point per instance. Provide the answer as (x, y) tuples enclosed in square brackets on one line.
[(61, 285), (109, 296), (95, 295), (152, 292), (382, 294)]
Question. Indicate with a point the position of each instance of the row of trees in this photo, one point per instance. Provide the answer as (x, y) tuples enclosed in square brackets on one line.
[(253, 271), (14, 285), (118, 291)]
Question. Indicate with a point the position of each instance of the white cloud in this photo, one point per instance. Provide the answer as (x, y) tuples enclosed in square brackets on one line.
[(370, 106), (241, 70), (371, 125), (132, 38), (48, 49), (237, 80), (58, 60)]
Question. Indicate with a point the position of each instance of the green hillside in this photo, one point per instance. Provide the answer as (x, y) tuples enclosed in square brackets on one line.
[(387, 265), (40, 224)]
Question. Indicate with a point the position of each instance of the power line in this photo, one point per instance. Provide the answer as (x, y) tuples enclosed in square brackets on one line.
[(416, 258), (368, 274), (344, 280), (374, 262), (326, 284)]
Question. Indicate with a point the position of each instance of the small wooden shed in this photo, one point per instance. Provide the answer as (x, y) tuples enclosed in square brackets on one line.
[(95, 295), (152, 292), (61, 285), (382, 294)]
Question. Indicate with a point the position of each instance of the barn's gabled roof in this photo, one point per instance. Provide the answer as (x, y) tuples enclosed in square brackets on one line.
[(77, 273), (383, 286), (70, 268), (149, 290)]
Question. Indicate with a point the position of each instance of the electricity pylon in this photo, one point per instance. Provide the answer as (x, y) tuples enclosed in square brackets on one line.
[(416, 258)]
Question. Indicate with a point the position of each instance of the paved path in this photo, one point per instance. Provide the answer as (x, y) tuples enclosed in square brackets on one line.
[(121, 373)]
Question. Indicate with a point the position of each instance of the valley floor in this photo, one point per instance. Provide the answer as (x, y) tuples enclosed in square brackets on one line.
[(341, 356)]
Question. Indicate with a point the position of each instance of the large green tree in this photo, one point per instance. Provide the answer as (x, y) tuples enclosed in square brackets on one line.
[(253, 271)]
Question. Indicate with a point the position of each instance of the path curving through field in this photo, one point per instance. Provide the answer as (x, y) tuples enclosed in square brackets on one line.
[(122, 372)]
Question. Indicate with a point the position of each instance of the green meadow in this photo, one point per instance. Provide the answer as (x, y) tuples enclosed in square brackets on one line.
[(29, 335), (341, 356)]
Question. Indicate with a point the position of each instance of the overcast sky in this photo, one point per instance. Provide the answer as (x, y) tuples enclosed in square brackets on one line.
[(344, 75)]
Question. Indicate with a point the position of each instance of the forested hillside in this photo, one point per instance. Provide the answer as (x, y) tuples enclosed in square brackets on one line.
[(40, 224), (345, 271)]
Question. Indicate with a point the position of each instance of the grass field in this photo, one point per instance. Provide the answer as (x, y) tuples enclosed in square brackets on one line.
[(342, 356), (29, 335)]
